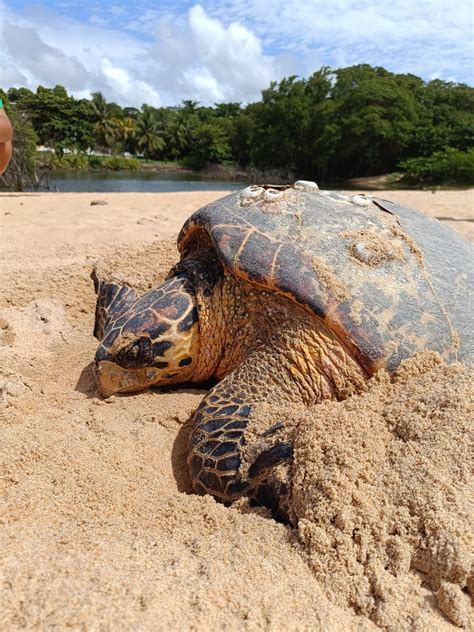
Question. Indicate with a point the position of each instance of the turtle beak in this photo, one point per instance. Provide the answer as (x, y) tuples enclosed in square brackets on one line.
[(111, 378)]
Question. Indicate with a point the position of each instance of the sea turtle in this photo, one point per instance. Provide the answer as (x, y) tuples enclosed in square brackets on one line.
[(285, 295)]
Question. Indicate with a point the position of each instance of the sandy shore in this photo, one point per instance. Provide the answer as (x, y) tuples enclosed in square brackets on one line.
[(98, 531)]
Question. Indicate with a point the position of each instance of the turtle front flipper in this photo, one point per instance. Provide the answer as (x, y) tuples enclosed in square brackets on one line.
[(222, 434), (112, 300)]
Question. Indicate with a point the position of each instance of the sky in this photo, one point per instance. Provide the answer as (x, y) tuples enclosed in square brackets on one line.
[(161, 53)]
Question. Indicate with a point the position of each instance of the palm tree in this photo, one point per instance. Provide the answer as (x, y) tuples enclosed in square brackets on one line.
[(104, 129), (125, 130), (177, 137), (149, 134), (181, 129), (189, 106)]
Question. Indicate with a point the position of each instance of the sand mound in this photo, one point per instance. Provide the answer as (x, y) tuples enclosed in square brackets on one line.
[(383, 495), (141, 268)]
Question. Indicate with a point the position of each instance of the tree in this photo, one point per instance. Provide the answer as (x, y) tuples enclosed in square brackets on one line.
[(149, 134), (281, 124), (19, 95), (60, 121), (446, 120), (209, 145), (227, 110), (240, 138), (377, 113), (189, 106), (125, 130), (103, 118)]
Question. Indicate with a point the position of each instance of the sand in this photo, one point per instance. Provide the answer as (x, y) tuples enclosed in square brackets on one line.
[(384, 499), (98, 529)]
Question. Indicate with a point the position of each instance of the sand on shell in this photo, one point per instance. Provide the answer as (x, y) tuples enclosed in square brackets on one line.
[(98, 529)]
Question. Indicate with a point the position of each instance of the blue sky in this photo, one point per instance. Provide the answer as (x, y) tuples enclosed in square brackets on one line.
[(163, 52)]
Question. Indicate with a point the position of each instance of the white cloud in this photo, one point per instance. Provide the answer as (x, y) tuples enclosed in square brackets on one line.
[(210, 62), (41, 62), (422, 37), (118, 10), (161, 53), (130, 89), (189, 57)]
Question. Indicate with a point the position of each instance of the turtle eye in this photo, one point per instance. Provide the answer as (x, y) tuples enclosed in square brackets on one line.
[(134, 351), (137, 355)]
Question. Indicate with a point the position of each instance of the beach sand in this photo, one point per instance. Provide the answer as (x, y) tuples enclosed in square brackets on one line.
[(98, 528)]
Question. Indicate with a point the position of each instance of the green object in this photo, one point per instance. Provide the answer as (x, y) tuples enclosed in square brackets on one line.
[(1, 104)]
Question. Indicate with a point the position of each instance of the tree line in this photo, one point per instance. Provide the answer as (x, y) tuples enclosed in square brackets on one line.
[(336, 124)]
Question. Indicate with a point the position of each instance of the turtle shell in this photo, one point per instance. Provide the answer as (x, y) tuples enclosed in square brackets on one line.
[(388, 280)]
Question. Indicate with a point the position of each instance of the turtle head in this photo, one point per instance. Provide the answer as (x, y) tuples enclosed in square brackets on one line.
[(153, 339)]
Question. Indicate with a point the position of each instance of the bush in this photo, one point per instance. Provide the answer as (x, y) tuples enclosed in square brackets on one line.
[(447, 166), (95, 162), (83, 161), (117, 163), (69, 161)]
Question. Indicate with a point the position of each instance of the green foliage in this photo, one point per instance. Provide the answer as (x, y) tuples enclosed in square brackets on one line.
[(77, 162), (96, 162), (373, 118), (17, 95), (336, 124), (449, 166), (104, 128), (357, 121), (21, 172), (209, 145), (125, 130), (60, 121), (240, 136), (83, 161), (117, 163), (447, 118), (149, 137)]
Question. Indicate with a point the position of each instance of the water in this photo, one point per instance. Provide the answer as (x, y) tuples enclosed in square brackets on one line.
[(131, 181), (161, 181)]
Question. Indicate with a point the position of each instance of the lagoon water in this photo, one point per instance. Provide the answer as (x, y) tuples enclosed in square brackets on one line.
[(132, 181), (155, 182)]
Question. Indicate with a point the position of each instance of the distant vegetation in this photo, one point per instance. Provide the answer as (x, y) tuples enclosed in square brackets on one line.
[(337, 124), (448, 165)]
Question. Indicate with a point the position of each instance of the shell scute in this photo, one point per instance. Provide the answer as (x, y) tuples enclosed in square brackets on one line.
[(256, 258), (229, 239), (301, 283)]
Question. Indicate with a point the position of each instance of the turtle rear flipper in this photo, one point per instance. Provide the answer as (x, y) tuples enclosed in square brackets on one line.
[(113, 300)]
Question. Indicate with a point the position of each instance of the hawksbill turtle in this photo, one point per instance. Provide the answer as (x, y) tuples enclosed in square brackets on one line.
[(287, 295)]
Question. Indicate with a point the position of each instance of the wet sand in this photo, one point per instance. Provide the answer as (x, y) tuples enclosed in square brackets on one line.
[(98, 529)]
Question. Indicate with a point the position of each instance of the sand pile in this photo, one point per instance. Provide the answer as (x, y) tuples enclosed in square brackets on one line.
[(383, 492), (97, 526)]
